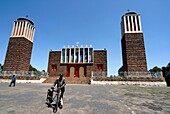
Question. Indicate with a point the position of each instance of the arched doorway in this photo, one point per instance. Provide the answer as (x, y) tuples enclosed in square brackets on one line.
[(81, 71), (72, 71)]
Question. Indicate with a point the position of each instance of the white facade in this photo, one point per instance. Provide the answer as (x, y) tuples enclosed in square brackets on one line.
[(77, 55), (131, 23), (23, 28)]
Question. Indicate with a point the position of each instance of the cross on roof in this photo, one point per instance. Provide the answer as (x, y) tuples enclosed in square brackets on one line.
[(77, 43)]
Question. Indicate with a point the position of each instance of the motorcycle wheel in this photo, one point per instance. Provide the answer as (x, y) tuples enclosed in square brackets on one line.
[(55, 109)]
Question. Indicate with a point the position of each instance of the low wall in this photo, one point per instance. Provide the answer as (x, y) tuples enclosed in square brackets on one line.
[(23, 81), (129, 83)]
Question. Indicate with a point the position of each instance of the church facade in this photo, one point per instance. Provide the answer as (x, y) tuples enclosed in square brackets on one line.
[(77, 61)]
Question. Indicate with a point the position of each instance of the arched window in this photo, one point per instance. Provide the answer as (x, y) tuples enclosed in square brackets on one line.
[(72, 72), (81, 71)]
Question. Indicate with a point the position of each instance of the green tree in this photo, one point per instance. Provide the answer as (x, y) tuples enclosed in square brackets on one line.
[(166, 70), (155, 69), (121, 71), (35, 72), (168, 65), (32, 68), (166, 73), (1, 67)]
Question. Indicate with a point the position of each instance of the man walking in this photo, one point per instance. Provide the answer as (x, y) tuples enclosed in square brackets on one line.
[(13, 80), (60, 83)]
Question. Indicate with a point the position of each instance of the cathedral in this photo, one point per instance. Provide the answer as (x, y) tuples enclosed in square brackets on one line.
[(78, 61)]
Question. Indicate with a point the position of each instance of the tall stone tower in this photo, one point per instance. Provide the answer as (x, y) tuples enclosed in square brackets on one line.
[(20, 46), (133, 49)]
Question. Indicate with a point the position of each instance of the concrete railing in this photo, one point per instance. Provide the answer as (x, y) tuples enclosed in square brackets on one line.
[(129, 83), (23, 73)]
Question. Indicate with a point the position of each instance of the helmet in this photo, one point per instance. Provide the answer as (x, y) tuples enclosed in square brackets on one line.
[(61, 75)]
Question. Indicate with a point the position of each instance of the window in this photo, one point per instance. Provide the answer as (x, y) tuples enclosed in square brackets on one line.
[(63, 55), (77, 55), (53, 67), (99, 68), (86, 55), (81, 54)]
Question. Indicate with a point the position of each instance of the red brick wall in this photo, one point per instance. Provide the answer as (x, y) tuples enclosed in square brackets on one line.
[(18, 55), (133, 52), (100, 57), (54, 59)]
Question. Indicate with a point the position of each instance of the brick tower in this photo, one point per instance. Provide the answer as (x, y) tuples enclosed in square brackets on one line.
[(20, 46), (133, 49)]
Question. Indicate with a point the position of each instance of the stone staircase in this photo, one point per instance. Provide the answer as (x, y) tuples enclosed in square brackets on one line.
[(70, 80), (50, 80)]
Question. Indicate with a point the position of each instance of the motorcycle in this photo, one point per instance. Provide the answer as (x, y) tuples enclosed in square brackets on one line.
[(53, 99)]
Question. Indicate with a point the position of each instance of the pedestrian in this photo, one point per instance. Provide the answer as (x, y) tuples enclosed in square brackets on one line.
[(59, 83), (13, 80)]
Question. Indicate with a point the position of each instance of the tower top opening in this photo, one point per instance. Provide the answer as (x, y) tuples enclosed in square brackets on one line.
[(130, 13), (26, 19)]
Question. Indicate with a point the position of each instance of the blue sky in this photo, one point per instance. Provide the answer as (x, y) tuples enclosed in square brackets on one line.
[(95, 22)]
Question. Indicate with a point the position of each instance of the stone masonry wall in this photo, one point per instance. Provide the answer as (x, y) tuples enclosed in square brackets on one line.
[(100, 57), (54, 59), (133, 52), (18, 54)]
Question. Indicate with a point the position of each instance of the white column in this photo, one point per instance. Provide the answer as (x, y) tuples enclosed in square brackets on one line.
[(26, 32), (22, 28), (128, 23), (88, 55), (132, 23), (136, 23), (29, 32), (61, 60), (124, 24), (140, 24), (92, 55), (16, 29), (25, 28), (74, 55), (69, 55), (19, 28), (33, 34), (65, 54), (79, 55), (83, 54), (13, 29)]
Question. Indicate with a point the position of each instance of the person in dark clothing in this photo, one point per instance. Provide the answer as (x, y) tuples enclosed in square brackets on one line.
[(59, 83), (13, 80)]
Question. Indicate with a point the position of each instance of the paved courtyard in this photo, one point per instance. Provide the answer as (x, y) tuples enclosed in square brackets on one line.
[(86, 99)]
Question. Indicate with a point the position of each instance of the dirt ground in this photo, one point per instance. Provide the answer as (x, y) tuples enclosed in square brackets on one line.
[(86, 99)]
